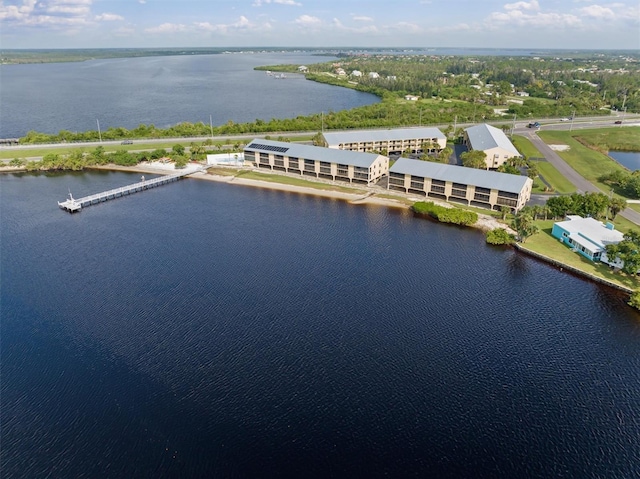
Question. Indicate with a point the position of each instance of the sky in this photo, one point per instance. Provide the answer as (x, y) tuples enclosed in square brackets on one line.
[(557, 24)]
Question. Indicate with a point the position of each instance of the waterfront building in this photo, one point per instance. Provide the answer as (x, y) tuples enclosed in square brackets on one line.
[(492, 141), (393, 141), (317, 162), (457, 184), (587, 236)]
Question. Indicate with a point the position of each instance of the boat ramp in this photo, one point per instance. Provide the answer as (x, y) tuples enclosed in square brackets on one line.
[(73, 205)]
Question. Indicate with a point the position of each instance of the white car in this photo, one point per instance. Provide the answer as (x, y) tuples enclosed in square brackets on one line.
[(564, 119)]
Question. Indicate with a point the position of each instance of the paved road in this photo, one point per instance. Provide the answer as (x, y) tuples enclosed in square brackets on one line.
[(581, 184)]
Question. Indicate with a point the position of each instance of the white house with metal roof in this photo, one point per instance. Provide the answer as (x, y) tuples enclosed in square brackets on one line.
[(393, 141), (493, 142), (316, 161), (587, 236), (470, 186)]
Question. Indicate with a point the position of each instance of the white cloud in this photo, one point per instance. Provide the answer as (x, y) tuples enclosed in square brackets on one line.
[(109, 17), (598, 12), (242, 24), (167, 28), (307, 21), (532, 5), (50, 13), (259, 3), (362, 19)]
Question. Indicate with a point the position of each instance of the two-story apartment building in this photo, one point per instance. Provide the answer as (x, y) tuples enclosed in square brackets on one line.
[(317, 162)]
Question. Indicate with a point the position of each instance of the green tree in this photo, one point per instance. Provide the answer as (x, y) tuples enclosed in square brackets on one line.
[(178, 149), (616, 205), (524, 226), (474, 159), (628, 251), (504, 211), (499, 236)]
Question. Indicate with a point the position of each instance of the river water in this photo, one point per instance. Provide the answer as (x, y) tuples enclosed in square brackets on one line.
[(211, 330), (162, 91)]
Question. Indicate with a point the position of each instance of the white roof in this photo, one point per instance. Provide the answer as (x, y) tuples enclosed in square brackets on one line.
[(309, 152), (460, 174), (356, 136), (589, 232), (484, 137)]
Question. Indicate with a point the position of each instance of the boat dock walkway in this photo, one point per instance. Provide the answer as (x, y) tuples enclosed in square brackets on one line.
[(76, 204)]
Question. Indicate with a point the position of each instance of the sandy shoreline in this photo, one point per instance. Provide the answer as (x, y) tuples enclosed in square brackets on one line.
[(368, 196)]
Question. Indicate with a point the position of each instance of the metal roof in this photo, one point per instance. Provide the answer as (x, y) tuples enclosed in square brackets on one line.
[(590, 229), (360, 136), (460, 174), (296, 150), (484, 137)]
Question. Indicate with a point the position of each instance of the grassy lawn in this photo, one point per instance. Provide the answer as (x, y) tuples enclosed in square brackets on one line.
[(547, 245), (557, 181), (589, 163), (524, 146), (616, 138), (290, 180)]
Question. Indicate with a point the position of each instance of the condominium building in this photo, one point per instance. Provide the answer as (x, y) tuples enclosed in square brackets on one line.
[(392, 141), (493, 142), (317, 162), (470, 186)]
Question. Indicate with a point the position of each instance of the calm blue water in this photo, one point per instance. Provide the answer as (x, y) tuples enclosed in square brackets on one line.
[(211, 330), (628, 159), (162, 91)]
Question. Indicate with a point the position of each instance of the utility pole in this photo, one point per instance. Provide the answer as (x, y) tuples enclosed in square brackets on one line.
[(211, 126), (99, 132), (322, 120), (513, 126)]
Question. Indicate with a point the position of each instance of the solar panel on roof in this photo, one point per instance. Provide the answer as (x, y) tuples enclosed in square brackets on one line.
[(259, 146)]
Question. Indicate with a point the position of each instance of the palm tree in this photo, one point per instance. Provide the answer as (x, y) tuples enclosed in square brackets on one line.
[(616, 205)]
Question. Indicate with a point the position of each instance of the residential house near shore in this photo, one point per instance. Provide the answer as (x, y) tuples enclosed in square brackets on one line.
[(317, 162), (587, 236), (457, 184), (493, 142), (393, 141)]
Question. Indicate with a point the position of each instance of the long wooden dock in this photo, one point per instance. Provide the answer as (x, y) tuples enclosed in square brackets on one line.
[(73, 205)]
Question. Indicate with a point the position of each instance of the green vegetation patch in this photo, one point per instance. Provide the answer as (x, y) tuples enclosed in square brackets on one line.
[(525, 147), (558, 182), (445, 215), (500, 236), (610, 139)]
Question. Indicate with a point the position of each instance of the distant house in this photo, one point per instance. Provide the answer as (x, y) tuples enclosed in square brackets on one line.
[(303, 69), (492, 141), (374, 75), (586, 236), (340, 72), (522, 93), (356, 73), (411, 98)]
